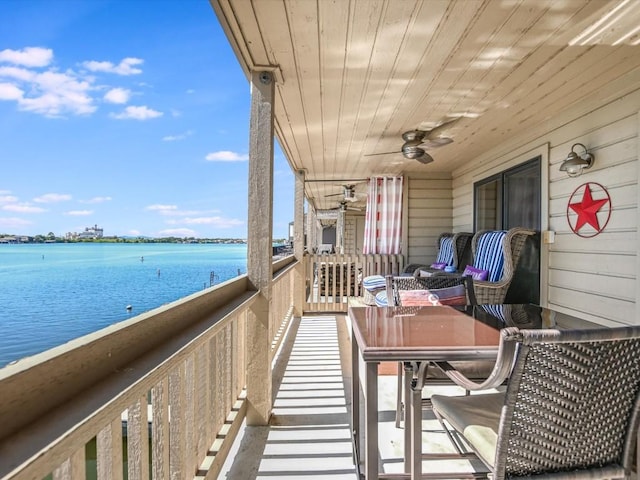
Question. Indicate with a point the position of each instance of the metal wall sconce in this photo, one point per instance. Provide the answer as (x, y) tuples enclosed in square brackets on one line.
[(575, 163)]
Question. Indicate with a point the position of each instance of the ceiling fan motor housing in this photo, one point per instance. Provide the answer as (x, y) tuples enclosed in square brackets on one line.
[(349, 193), (412, 151)]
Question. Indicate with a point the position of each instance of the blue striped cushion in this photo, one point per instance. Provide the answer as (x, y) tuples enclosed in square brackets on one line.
[(495, 310), (445, 254), (489, 254), (374, 282), (381, 299)]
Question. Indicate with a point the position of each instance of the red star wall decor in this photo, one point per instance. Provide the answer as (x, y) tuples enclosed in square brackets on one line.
[(583, 210)]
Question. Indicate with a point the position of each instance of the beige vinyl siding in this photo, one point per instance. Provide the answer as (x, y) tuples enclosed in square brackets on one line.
[(353, 233), (593, 278), (430, 211)]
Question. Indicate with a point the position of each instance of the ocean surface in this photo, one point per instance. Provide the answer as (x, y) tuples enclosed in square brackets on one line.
[(53, 293)]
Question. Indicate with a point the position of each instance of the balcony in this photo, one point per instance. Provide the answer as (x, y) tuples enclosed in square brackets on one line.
[(164, 395), (175, 376)]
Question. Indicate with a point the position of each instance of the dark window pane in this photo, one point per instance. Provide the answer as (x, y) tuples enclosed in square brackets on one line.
[(488, 205), (522, 196)]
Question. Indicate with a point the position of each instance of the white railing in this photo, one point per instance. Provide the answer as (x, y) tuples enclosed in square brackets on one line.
[(170, 380), (332, 279), (282, 301)]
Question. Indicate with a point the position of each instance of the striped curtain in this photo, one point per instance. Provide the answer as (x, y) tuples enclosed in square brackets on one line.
[(383, 220)]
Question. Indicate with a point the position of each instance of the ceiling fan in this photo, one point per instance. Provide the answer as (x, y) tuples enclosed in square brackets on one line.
[(345, 207), (416, 142), (348, 193)]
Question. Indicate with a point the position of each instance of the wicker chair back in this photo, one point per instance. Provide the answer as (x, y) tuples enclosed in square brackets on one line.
[(571, 407), (498, 252), (435, 282), (572, 403)]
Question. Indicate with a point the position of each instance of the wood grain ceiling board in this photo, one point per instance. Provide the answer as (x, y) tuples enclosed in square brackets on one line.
[(361, 34), (333, 37), (376, 76), (290, 101), (354, 74)]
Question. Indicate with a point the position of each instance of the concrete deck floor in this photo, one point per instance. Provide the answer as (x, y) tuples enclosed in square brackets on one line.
[(309, 434)]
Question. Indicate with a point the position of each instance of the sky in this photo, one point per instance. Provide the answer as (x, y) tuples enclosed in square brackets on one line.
[(132, 115)]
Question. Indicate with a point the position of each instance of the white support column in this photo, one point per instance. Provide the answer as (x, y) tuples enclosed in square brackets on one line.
[(298, 245), (259, 247), (340, 230), (312, 229)]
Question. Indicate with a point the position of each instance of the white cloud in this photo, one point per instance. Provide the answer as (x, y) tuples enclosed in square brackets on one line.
[(219, 222), (181, 136), (52, 198), (8, 91), (177, 232), (97, 200), (125, 67), (13, 222), (6, 198), (79, 213), (28, 56), (48, 93), (17, 73), (117, 95), (162, 208), (23, 208), (226, 156), (135, 233), (54, 93), (137, 113)]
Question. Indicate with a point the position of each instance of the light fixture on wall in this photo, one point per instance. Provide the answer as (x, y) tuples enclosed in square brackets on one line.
[(575, 163)]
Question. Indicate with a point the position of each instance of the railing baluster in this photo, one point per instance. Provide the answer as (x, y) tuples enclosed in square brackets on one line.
[(220, 376), (73, 468), (138, 440), (160, 430), (109, 451), (202, 391), (176, 423), (189, 417)]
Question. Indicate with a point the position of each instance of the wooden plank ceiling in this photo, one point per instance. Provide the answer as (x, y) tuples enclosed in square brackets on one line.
[(353, 75)]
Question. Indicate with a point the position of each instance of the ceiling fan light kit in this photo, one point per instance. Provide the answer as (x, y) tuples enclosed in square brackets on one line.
[(412, 152)]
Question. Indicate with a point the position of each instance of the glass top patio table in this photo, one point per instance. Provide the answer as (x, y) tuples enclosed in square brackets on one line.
[(425, 334)]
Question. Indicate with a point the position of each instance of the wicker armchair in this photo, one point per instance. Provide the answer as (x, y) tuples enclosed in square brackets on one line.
[(498, 252), (454, 249), (570, 410)]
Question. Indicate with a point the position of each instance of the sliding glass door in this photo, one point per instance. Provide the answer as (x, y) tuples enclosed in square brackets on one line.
[(512, 199), (509, 199)]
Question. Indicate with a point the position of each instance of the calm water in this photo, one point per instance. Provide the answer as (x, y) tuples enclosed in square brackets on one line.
[(52, 293)]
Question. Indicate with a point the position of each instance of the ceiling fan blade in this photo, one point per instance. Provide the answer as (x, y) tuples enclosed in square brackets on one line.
[(437, 142), (344, 207), (425, 158), (381, 153), (335, 195), (439, 129)]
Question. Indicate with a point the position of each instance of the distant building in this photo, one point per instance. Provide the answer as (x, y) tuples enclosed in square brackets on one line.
[(90, 233), (12, 239)]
